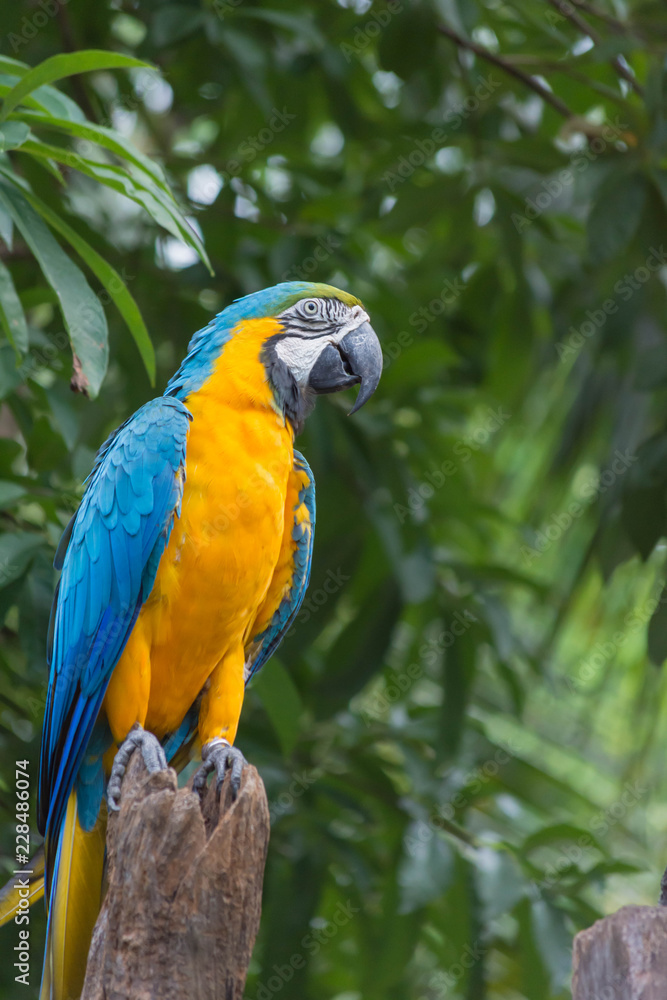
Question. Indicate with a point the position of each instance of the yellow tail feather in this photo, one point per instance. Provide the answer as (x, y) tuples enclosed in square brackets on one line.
[(13, 894), (75, 905)]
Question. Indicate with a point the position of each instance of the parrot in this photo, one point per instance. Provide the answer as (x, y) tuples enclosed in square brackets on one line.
[(181, 571)]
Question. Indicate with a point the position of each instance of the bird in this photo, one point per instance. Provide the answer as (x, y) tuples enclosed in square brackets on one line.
[(181, 571)]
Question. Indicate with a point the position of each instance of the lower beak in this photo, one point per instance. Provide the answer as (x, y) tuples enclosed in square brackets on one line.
[(356, 359)]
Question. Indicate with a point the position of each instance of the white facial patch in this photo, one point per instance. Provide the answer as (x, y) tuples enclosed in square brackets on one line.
[(300, 353)]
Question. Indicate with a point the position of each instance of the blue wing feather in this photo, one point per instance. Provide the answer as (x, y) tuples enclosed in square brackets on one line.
[(264, 645), (109, 556)]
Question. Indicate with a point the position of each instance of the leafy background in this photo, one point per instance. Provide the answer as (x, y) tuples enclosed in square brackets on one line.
[(463, 739)]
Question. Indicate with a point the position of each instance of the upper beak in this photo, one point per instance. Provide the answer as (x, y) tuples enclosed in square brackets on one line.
[(356, 358)]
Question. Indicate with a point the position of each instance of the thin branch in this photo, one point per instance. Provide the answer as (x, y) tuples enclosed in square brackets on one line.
[(613, 22), (565, 10), (528, 81), (565, 69)]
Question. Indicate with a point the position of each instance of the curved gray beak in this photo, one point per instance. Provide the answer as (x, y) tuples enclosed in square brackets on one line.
[(356, 359)]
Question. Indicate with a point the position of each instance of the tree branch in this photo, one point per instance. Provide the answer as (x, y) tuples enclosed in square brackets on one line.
[(613, 22), (528, 81), (185, 885), (566, 11), (565, 69), (622, 956)]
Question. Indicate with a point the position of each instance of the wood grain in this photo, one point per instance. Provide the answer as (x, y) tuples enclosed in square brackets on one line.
[(183, 903), (623, 957)]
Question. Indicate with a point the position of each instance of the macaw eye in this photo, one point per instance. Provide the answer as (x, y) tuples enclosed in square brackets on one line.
[(310, 307)]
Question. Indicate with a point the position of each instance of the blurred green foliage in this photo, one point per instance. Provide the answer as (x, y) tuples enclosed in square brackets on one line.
[(461, 739)]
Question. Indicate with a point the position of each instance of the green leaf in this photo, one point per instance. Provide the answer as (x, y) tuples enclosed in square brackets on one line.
[(108, 276), (46, 100), (80, 307), (554, 942), (657, 631), (12, 317), (10, 493), (46, 162), (54, 102), (302, 24), (652, 368), (60, 66), (500, 882), (614, 218), (9, 450), (14, 66), (10, 376), (408, 41), (458, 674), (173, 22), (106, 137), (558, 833), (359, 649), (427, 867), (46, 447), (644, 507), (611, 867), (160, 206), (282, 703), (416, 362), (13, 135), (6, 228), (16, 551), (659, 178)]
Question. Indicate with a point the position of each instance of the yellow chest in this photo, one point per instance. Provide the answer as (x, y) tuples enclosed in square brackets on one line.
[(223, 549)]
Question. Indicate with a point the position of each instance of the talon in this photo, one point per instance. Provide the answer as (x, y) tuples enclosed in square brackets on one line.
[(220, 756), (151, 751)]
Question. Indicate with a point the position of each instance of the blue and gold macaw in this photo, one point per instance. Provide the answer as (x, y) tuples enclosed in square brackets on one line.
[(182, 569)]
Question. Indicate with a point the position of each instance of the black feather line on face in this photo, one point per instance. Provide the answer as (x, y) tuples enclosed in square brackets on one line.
[(294, 403), (330, 317)]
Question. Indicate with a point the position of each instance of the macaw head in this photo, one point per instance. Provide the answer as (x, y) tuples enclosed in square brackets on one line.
[(325, 343), (310, 339)]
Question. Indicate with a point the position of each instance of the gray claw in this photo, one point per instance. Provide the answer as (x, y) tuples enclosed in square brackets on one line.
[(151, 751), (219, 756)]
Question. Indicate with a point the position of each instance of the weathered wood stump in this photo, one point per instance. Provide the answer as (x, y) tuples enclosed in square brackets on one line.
[(623, 957), (183, 903)]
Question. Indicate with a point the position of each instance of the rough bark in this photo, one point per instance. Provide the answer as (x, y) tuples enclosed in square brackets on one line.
[(623, 957), (183, 903)]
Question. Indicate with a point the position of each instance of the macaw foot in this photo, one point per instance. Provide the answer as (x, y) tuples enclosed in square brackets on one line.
[(151, 751), (220, 756)]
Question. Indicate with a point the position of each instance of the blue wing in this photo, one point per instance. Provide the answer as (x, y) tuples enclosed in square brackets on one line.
[(109, 556), (293, 589)]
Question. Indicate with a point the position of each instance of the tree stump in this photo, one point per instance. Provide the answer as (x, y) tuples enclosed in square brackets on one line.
[(183, 903), (623, 957)]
